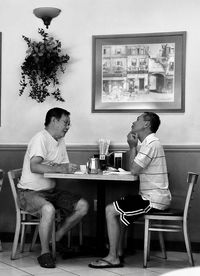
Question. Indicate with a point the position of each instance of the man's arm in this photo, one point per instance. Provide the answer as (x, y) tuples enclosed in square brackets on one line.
[(132, 140), (37, 166)]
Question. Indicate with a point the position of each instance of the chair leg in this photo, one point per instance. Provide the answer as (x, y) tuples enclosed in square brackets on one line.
[(148, 247), (146, 241), (34, 237), (187, 243), (54, 240), (23, 230), (16, 238), (162, 244), (80, 233), (22, 239), (69, 239)]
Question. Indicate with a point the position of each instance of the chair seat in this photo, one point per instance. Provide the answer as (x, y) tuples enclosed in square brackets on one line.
[(27, 213), (167, 212)]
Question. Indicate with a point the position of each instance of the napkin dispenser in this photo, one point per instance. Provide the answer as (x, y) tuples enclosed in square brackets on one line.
[(118, 159), (114, 159)]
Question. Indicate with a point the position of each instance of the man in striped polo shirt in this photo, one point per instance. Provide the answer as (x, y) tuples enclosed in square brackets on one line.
[(148, 161)]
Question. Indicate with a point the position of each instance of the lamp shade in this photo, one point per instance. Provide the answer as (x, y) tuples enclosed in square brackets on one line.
[(46, 14)]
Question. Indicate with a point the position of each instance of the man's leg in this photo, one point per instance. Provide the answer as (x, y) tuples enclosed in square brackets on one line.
[(123, 231), (45, 227), (80, 211), (113, 228), (35, 202)]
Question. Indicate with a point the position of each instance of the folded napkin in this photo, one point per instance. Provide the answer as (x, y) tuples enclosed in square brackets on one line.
[(80, 172), (117, 173)]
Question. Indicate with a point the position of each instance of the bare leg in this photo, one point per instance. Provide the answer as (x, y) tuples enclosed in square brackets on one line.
[(115, 241), (79, 212), (45, 227), (113, 227), (123, 231)]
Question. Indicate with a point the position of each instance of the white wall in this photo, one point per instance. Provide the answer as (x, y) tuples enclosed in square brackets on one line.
[(78, 21)]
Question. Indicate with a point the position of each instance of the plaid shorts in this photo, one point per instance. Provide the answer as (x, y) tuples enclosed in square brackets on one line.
[(32, 201), (131, 207)]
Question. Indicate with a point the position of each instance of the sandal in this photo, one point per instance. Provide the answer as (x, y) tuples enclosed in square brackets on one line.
[(46, 260), (102, 263)]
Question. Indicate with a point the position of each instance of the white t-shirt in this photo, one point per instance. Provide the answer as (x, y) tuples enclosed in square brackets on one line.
[(52, 151), (154, 184)]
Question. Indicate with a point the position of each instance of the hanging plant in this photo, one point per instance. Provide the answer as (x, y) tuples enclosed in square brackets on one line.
[(41, 68)]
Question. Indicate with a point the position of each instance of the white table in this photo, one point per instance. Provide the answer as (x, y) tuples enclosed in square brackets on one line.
[(101, 180), (100, 176)]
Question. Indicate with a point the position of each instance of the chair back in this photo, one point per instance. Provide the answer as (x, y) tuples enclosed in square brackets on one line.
[(1, 178), (14, 177), (191, 180)]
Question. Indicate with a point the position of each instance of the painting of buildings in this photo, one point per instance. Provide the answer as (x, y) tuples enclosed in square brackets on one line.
[(138, 72)]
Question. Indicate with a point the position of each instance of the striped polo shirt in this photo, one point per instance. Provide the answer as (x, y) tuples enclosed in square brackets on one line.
[(154, 185)]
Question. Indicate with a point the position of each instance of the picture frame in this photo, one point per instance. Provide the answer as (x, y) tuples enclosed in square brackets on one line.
[(139, 72)]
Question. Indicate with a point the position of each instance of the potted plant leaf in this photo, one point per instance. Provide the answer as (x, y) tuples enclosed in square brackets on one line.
[(41, 68)]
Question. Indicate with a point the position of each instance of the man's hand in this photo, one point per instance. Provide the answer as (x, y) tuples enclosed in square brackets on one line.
[(38, 167), (68, 168), (72, 168), (132, 140)]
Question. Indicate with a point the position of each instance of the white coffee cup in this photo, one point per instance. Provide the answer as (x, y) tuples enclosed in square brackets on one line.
[(83, 168)]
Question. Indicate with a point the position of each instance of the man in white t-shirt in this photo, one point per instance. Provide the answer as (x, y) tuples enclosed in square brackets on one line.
[(148, 161), (46, 152)]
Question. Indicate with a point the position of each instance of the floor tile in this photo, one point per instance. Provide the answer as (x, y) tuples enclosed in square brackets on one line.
[(194, 271), (51, 273), (95, 272), (4, 265), (12, 272), (39, 270), (140, 272), (26, 264), (130, 271)]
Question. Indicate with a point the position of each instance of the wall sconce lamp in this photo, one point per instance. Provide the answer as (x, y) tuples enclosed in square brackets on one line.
[(46, 14)]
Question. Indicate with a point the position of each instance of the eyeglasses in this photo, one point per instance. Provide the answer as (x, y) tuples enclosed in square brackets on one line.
[(66, 123)]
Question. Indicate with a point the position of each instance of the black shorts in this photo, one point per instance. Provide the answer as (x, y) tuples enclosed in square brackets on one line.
[(32, 201), (131, 207)]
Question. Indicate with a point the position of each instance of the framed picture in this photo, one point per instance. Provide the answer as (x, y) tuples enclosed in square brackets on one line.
[(141, 72)]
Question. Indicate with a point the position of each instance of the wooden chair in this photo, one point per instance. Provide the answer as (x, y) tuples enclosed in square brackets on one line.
[(171, 220), (24, 219)]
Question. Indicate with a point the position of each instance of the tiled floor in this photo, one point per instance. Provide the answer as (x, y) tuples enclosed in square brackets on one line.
[(26, 264)]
